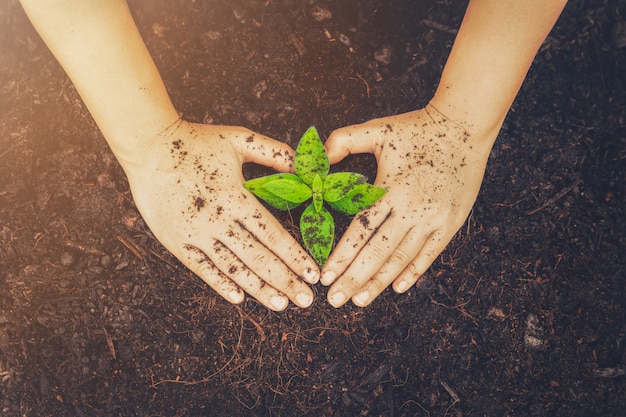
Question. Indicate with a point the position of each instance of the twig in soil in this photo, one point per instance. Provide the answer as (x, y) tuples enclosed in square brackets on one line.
[(10, 148), (131, 246), (109, 341), (417, 404), (439, 26), (367, 86), (82, 248), (254, 322), (5, 376), (297, 43), (453, 394), (554, 199), (608, 372), (38, 237), (458, 307), (170, 263)]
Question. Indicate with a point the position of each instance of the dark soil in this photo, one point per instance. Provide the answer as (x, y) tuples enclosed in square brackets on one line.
[(524, 314)]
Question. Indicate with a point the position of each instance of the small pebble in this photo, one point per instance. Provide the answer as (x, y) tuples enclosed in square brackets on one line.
[(320, 13), (383, 55), (344, 39), (534, 334), (67, 259), (259, 88)]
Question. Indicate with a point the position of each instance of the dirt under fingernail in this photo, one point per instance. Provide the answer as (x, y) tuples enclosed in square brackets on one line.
[(311, 276)]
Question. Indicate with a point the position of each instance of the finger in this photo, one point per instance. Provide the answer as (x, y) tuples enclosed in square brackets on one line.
[(264, 263), (433, 246), (350, 140), (266, 151), (372, 289), (397, 262), (354, 239), (229, 263), (200, 264), (214, 273), (368, 262), (268, 230)]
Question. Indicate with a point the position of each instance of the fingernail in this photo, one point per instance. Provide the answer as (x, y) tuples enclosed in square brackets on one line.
[(401, 286), (311, 276), (235, 297), (279, 302), (304, 300), (328, 277), (337, 299), (361, 298)]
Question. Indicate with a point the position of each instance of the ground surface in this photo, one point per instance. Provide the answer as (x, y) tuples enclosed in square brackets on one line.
[(523, 315)]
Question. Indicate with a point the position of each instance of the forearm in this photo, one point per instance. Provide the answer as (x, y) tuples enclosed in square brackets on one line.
[(492, 53), (100, 48)]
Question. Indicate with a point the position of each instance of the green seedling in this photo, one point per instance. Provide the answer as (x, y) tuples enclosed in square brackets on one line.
[(345, 192)]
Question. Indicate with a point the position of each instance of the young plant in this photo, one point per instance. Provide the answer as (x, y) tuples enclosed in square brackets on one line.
[(345, 192)]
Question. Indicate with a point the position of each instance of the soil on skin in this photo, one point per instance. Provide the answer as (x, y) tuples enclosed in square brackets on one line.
[(524, 314)]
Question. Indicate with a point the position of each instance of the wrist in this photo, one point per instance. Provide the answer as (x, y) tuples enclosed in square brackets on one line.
[(133, 147), (482, 127), (469, 108)]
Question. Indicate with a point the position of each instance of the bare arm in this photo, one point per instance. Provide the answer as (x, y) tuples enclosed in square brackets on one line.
[(185, 178), (100, 48), (432, 161), (492, 53)]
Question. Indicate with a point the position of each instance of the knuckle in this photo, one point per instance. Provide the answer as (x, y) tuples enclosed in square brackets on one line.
[(205, 269), (350, 282), (415, 270), (198, 261), (274, 238), (203, 266), (260, 258), (375, 286), (377, 252), (401, 256), (233, 268)]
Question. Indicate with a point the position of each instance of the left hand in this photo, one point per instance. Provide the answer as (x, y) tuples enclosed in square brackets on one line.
[(432, 169)]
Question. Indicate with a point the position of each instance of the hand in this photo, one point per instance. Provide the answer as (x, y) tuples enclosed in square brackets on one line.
[(432, 169), (189, 189)]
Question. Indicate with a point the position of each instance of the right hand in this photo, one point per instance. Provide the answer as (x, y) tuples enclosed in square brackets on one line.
[(189, 190)]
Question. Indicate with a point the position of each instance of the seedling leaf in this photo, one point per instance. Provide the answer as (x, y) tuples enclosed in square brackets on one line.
[(339, 184), (311, 158), (360, 197), (290, 190), (318, 197), (346, 192), (318, 232), (257, 186)]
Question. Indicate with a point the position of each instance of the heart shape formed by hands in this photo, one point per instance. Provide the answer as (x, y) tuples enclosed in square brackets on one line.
[(345, 192)]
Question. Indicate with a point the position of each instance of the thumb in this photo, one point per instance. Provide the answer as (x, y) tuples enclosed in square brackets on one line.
[(266, 151), (349, 140)]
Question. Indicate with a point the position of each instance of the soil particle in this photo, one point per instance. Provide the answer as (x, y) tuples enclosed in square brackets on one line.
[(362, 218), (199, 203)]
